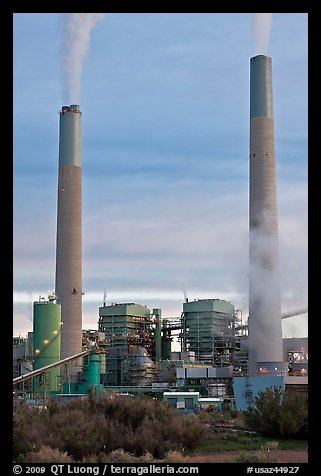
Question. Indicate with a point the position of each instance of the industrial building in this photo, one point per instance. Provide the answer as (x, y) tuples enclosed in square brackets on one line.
[(221, 358), (22, 362), (120, 356), (209, 330), (128, 325)]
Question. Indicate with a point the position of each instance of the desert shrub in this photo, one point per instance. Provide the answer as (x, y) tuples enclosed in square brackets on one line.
[(270, 445), (84, 428), (183, 432), (205, 417), (47, 455), (21, 442), (294, 416), (147, 457), (230, 437), (278, 414), (211, 417), (240, 422), (174, 457), (95, 458), (248, 457), (71, 431), (118, 456), (29, 429), (121, 456), (150, 425)]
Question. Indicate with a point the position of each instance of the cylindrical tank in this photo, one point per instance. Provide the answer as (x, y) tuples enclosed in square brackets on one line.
[(46, 328), (140, 368), (91, 370)]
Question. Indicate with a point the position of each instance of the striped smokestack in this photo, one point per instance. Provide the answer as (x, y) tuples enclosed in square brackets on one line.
[(69, 231), (265, 328)]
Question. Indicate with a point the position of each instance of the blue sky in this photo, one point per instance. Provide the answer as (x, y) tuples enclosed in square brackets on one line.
[(165, 102)]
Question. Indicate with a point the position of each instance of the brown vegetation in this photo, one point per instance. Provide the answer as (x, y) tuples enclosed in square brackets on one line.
[(99, 427), (140, 430)]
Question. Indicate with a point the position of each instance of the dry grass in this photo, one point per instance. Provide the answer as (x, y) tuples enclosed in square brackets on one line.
[(47, 455)]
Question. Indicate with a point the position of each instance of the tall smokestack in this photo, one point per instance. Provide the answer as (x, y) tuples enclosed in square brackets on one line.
[(69, 231), (265, 328)]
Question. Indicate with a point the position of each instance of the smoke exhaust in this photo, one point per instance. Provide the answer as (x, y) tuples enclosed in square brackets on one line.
[(77, 31)]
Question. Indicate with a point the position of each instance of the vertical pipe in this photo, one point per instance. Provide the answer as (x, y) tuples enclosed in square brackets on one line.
[(69, 231), (265, 329), (158, 337)]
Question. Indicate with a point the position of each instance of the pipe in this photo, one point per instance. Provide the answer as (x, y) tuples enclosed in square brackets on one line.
[(34, 373)]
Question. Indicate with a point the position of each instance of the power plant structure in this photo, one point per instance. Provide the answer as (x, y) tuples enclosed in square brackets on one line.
[(120, 356), (209, 330), (222, 361), (68, 285), (265, 328), (46, 343)]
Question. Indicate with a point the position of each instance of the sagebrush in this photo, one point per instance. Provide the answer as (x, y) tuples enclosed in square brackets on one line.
[(101, 426)]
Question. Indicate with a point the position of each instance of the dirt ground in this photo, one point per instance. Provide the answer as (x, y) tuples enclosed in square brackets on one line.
[(278, 456)]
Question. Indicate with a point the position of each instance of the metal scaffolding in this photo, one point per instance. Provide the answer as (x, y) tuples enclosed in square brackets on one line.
[(128, 325), (209, 330)]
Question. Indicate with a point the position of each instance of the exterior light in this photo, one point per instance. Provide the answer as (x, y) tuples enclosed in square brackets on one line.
[(37, 351), (46, 341)]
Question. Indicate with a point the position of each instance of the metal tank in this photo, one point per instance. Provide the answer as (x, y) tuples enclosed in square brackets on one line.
[(91, 370), (69, 231), (139, 368), (46, 328)]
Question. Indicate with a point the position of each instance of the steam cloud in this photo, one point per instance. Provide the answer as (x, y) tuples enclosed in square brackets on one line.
[(265, 330), (261, 26), (77, 31)]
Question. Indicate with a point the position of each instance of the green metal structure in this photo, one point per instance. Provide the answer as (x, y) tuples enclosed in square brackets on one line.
[(209, 330), (47, 330), (128, 325), (91, 369), (90, 380), (182, 400)]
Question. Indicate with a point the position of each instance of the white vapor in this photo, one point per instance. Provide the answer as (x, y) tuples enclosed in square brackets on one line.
[(77, 31), (261, 26)]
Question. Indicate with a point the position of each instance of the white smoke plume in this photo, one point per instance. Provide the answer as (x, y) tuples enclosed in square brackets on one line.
[(77, 29), (265, 326), (261, 26)]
